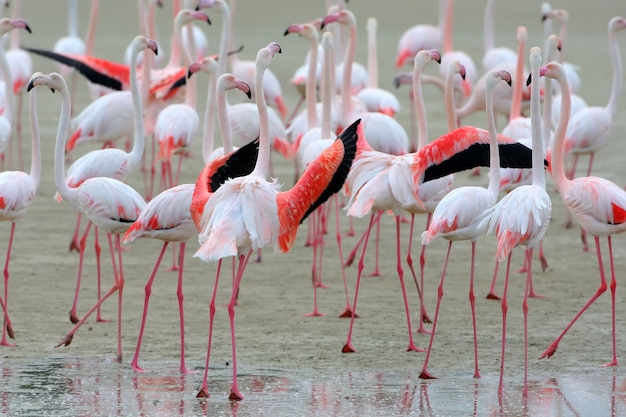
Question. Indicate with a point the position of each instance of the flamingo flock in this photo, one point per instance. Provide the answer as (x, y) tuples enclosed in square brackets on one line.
[(349, 150)]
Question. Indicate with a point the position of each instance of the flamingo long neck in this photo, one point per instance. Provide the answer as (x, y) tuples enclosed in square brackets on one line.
[(558, 171), (15, 35), (263, 160), (9, 100), (418, 107), (233, 58), (190, 84), (516, 99), (175, 52), (35, 162), (311, 102), (222, 60), (539, 175), (372, 53), (208, 141), (488, 35), (451, 113), (494, 151), (136, 152), (550, 55), (90, 36), (222, 112), (449, 26), (327, 84), (616, 86), (441, 15), (72, 18), (346, 87), (547, 27), (69, 194), (562, 34)]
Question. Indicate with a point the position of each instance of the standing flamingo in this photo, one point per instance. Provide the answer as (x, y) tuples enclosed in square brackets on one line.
[(420, 36), (458, 214), (589, 129), (17, 192), (110, 162), (250, 212), (598, 205), (110, 204), (522, 217)]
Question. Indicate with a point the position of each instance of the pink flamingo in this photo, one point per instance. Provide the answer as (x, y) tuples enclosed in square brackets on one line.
[(6, 119), (493, 56), (110, 162), (598, 205), (177, 124), (17, 192), (420, 36), (522, 217), (589, 129), (235, 224), (458, 214), (110, 204), (562, 17)]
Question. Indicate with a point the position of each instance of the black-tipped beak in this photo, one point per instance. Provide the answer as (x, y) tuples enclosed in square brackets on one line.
[(27, 28), (529, 79)]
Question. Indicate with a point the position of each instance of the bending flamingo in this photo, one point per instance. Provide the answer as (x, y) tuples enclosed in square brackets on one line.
[(250, 212), (110, 204), (598, 205)]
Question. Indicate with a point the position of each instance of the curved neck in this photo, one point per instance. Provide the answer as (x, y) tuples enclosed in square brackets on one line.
[(558, 171), (68, 194), (616, 86), (35, 163), (263, 160), (139, 139), (224, 39), (311, 102), (222, 112), (208, 141), (488, 37), (539, 175), (372, 54), (419, 109), (190, 84), (494, 151), (516, 99), (449, 26)]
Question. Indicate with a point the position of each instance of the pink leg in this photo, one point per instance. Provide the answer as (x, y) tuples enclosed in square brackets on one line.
[(6, 325), (613, 287), (152, 168), (425, 374), (353, 252), (146, 300), (529, 276), (505, 309), (542, 257), (174, 266), (235, 395), (181, 310), (347, 347), (347, 311), (120, 280), (180, 164), (601, 289), (74, 244), (424, 318), (491, 295), (472, 300), (376, 272), (314, 271), (322, 229), (99, 318), (411, 346), (81, 255), (204, 390)]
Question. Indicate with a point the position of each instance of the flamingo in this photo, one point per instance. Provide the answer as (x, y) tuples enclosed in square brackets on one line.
[(562, 17), (249, 212), (420, 36), (458, 214), (589, 129), (110, 204), (17, 193), (110, 162), (599, 206), (6, 119), (522, 217), (177, 124), (493, 56)]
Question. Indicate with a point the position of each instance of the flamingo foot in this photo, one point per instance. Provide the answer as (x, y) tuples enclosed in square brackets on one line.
[(118, 358), (66, 340), (136, 367), (185, 371), (7, 344), (612, 363), (551, 350), (544, 263), (426, 375), (492, 296), (347, 313), (522, 270), (73, 317), (235, 395), (425, 318), (172, 268), (74, 247), (320, 284), (203, 393), (423, 330), (375, 273), (347, 348), (315, 313), (533, 294), (413, 348), (477, 375), (100, 319)]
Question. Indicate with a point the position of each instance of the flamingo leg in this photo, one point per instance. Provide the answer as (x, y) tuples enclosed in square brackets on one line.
[(321, 231), (181, 311), (347, 311), (424, 318), (119, 278), (147, 293), (425, 374), (174, 266), (407, 310), (314, 271), (505, 309), (613, 287), (491, 295), (7, 324), (81, 255), (542, 257), (97, 249), (529, 259), (472, 300), (74, 244), (601, 289), (376, 271)]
